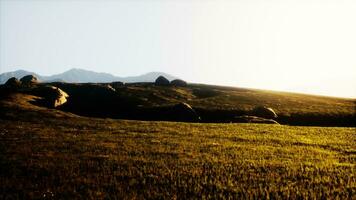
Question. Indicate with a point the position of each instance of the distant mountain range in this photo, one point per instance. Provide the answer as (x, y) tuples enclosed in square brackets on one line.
[(76, 75)]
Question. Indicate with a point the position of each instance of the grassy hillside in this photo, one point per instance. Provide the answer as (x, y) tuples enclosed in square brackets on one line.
[(218, 97), (230, 98), (213, 103), (46, 153)]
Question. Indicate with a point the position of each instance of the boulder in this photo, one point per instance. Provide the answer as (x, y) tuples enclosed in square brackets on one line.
[(13, 83), (52, 96), (184, 112), (253, 119), (264, 112), (179, 83), (95, 100), (162, 81), (29, 80)]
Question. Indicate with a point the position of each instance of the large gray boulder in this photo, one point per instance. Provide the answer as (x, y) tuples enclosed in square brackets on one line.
[(29, 80), (162, 81), (179, 83), (264, 112)]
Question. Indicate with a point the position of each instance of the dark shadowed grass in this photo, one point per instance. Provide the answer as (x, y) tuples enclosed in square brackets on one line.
[(145, 101), (218, 98), (49, 154)]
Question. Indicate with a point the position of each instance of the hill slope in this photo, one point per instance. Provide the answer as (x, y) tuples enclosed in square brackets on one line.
[(213, 103), (146, 101)]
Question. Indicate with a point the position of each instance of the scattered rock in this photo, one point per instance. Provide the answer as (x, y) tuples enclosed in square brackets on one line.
[(162, 81), (29, 80), (264, 112), (179, 83)]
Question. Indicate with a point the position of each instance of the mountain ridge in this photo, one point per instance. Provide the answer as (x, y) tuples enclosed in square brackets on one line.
[(78, 75)]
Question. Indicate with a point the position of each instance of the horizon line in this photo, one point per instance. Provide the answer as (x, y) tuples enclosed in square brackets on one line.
[(203, 83)]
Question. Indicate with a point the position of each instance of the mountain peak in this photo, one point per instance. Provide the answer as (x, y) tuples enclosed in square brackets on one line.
[(75, 70)]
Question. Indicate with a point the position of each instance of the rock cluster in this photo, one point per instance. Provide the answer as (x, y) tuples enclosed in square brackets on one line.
[(13, 83), (163, 81), (29, 80)]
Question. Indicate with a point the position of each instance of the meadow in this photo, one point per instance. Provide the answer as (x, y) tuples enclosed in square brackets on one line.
[(50, 154)]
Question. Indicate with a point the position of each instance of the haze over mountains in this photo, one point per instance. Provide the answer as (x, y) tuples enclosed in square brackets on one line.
[(77, 75)]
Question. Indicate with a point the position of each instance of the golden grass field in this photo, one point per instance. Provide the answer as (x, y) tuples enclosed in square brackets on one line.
[(50, 154)]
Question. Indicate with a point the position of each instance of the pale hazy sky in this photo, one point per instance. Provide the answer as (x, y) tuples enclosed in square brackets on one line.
[(301, 45)]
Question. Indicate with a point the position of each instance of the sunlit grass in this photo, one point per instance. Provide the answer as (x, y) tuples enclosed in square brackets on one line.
[(74, 157)]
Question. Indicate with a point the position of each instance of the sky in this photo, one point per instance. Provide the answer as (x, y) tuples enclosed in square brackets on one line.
[(306, 46)]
